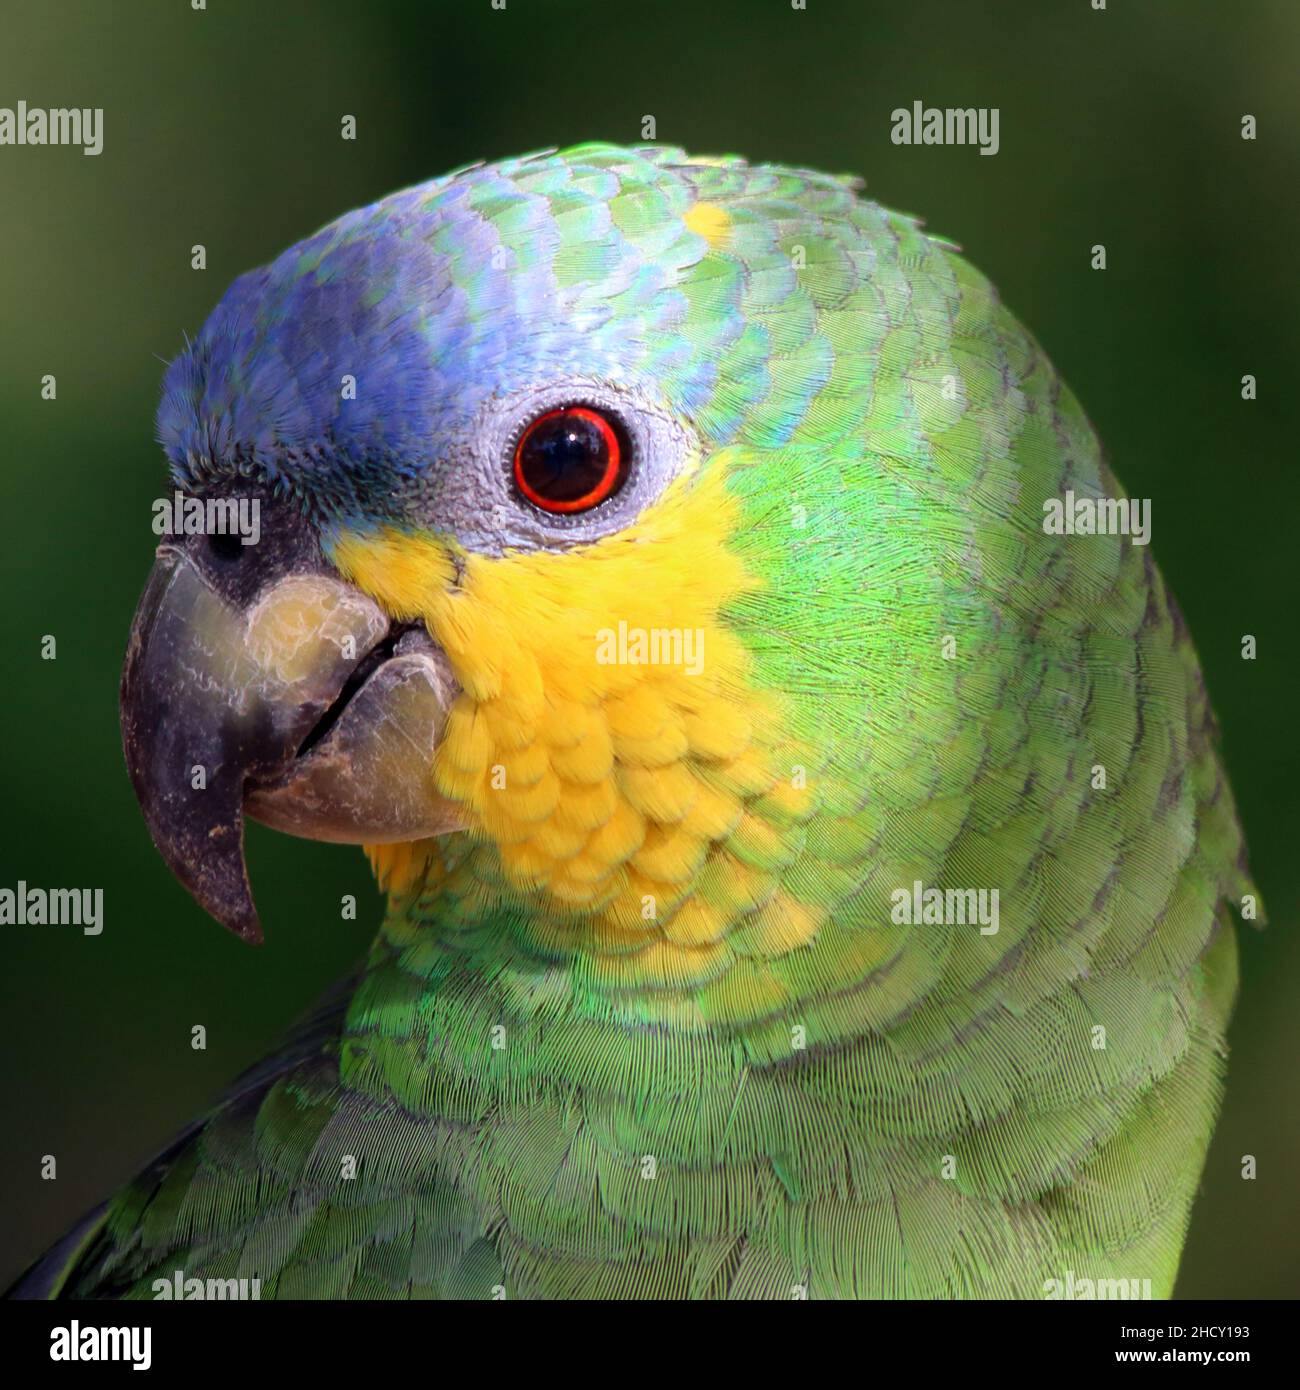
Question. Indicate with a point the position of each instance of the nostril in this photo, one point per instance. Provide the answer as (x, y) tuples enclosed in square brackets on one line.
[(225, 545)]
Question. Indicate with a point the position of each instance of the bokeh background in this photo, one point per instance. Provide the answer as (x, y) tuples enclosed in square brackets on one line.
[(223, 127)]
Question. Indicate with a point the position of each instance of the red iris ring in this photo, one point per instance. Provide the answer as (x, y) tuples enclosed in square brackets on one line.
[(601, 489)]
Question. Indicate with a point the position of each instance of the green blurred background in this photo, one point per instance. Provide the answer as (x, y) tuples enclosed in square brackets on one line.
[(222, 127)]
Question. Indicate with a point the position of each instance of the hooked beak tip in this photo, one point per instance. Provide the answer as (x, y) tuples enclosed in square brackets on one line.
[(221, 885)]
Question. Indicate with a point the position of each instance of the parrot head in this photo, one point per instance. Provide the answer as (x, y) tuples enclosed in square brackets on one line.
[(616, 510), (484, 421)]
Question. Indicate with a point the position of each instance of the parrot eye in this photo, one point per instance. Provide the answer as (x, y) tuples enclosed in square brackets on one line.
[(571, 459)]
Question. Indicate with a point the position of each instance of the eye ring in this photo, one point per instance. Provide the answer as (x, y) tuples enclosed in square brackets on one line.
[(570, 459)]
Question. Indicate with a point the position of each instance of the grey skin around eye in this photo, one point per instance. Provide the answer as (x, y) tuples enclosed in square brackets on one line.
[(470, 492)]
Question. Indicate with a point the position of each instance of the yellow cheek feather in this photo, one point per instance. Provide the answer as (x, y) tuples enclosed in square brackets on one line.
[(625, 775)]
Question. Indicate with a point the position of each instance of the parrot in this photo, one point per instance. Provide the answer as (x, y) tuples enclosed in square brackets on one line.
[(808, 872)]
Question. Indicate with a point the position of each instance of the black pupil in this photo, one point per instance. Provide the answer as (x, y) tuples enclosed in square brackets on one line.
[(564, 458)]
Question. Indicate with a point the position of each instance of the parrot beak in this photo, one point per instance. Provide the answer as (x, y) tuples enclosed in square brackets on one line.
[(266, 685)]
